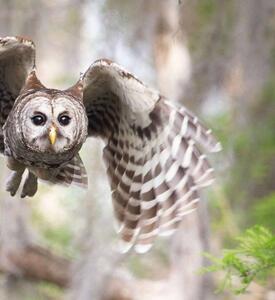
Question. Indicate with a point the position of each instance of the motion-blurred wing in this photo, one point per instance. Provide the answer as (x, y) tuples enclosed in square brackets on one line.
[(17, 59), (153, 160)]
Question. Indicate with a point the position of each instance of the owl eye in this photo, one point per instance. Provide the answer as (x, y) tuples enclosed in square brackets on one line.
[(64, 120), (39, 119)]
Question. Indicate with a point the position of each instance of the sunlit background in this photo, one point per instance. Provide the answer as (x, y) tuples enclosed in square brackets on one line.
[(214, 56)]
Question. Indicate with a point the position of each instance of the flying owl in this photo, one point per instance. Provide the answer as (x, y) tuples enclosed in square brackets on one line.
[(153, 154)]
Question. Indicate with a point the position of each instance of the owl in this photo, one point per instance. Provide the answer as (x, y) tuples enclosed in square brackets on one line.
[(153, 149)]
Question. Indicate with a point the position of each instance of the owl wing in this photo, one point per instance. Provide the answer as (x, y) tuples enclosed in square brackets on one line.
[(153, 153), (17, 59)]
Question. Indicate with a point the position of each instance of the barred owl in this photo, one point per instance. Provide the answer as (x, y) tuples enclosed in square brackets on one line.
[(153, 151)]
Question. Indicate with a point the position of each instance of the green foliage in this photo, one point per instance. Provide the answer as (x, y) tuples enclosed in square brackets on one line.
[(59, 238), (206, 10), (252, 259), (56, 237), (253, 148), (50, 291), (247, 196), (262, 212)]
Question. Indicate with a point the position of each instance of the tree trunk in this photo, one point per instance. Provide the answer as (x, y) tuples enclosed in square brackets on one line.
[(172, 58)]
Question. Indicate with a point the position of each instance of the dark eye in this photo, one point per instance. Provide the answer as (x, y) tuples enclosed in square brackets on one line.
[(39, 119), (64, 120)]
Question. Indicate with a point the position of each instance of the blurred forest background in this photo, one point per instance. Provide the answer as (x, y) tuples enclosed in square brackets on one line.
[(217, 57)]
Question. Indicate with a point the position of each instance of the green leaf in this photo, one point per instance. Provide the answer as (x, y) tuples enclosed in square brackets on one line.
[(253, 259)]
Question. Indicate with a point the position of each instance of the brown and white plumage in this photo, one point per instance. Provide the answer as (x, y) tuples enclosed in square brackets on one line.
[(27, 145), (154, 150), (152, 153)]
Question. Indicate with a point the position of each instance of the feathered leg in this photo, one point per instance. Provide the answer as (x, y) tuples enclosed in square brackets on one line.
[(15, 177), (30, 186)]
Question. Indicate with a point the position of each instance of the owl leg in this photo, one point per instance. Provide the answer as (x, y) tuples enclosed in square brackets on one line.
[(30, 186), (15, 177), (13, 182)]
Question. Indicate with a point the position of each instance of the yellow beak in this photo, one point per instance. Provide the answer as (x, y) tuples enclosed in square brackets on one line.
[(52, 135)]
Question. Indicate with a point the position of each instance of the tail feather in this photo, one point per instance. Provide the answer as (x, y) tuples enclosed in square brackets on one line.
[(74, 173)]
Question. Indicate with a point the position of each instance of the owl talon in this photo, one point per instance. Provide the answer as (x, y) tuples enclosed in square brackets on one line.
[(30, 186), (14, 181)]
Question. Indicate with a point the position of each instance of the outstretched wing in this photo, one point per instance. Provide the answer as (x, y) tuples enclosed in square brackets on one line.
[(17, 59), (153, 153)]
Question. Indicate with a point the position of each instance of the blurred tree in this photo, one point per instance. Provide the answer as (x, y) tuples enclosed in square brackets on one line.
[(249, 86), (230, 81)]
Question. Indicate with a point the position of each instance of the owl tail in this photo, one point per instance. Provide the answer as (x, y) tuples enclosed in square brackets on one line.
[(74, 173)]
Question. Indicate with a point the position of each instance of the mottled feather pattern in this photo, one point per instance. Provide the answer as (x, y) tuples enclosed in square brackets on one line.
[(154, 150), (155, 175), (153, 154), (74, 173), (147, 183)]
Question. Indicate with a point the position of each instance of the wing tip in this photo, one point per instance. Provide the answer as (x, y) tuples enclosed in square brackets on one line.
[(141, 249), (166, 233), (217, 147), (124, 246), (80, 185)]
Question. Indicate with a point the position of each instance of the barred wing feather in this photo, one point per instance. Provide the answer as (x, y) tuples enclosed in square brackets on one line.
[(153, 153), (74, 173)]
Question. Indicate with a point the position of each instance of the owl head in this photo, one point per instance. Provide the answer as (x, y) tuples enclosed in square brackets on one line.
[(50, 124)]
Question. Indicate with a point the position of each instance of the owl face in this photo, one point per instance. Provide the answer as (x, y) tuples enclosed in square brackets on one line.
[(46, 128), (52, 124)]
